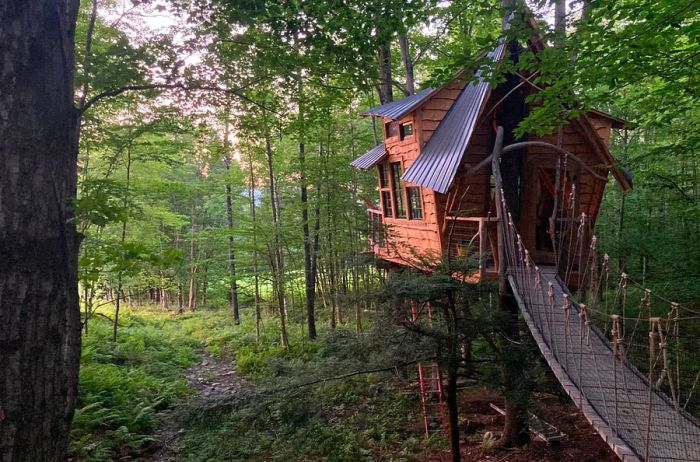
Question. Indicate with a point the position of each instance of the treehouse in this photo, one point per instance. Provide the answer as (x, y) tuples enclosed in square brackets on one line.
[(436, 193)]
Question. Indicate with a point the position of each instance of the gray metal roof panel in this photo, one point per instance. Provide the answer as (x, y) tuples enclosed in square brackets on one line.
[(437, 164), (399, 108), (370, 158)]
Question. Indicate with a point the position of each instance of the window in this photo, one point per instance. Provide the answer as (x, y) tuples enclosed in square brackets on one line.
[(384, 191), (415, 204), (386, 204), (383, 177), (391, 129), (406, 130), (397, 189)]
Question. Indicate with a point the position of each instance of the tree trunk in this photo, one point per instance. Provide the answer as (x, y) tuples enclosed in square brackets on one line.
[(453, 410), (39, 304), (309, 276), (278, 259), (233, 284), (251, 198), (122, 240), (192, 295), (407, 64), (386, 94), (560, 24)]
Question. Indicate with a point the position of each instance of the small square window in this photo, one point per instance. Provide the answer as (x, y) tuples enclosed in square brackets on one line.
[(391, 129), (406, 130)]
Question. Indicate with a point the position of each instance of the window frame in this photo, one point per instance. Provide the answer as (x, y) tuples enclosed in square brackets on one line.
[(402, 133), (385, 189), (398, 190), (411, 210)]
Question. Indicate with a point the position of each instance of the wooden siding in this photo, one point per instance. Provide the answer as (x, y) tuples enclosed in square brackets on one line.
[(431, 113), (410, 239)]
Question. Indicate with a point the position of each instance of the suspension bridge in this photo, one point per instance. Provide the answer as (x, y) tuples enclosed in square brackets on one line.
[(631, 367)]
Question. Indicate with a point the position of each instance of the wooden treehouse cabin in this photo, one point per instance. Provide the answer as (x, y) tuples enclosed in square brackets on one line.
[(435, 185)]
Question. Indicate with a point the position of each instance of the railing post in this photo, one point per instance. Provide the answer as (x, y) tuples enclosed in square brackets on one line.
[(482, 244)]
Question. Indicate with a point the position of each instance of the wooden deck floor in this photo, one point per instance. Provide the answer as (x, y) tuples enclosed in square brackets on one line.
[(614, 396)]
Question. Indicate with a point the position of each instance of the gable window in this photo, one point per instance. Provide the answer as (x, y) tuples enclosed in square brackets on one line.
[(397, 189), (406, 130), (415, 203), (384, 191), (391, 129)]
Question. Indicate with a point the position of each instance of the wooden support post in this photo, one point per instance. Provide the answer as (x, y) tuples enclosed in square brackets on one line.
[(482, 246)]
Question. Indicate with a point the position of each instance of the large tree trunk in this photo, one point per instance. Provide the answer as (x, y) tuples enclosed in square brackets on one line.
[(39, 310), (386, 93), (407, 64)]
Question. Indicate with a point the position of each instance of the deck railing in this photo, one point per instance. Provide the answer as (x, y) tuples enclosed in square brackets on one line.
[(465, 234)]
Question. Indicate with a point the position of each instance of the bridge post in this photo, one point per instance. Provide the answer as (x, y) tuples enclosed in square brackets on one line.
[(515, 430)]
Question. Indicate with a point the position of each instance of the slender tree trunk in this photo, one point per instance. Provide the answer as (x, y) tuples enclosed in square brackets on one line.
[(407, 63), (39, 303), (192, 295), (278, 259), (233, 284), (453, 410), (122, 239), (251, 198)]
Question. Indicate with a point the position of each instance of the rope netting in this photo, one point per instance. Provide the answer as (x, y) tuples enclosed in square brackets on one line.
[(626, 352)]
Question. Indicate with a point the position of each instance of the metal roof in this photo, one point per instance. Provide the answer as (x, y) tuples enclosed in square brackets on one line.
[(399, 108), (370, 158), (437, 164)]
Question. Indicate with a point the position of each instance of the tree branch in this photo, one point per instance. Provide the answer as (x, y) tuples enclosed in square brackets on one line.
[(174, 86)]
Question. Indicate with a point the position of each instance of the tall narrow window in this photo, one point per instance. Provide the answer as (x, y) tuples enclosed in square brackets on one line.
[(397, 190), (384, 190), (415, 204)]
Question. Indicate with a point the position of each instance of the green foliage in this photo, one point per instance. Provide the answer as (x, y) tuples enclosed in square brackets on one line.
[(123, 386), (360, 418)]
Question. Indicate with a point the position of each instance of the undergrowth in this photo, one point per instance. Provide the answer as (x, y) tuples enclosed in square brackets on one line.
[(124, 386)]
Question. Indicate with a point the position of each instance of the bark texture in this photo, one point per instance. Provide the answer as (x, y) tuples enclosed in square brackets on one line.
[(39, 313)]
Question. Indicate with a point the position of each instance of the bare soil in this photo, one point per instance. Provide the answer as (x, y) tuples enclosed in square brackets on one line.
[(581, 444)]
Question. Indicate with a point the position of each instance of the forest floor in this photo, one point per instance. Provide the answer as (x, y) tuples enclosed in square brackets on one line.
[(214, 379), (170, 390)]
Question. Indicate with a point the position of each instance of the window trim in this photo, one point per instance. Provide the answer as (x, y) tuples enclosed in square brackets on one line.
[(403, 135), (420, 202), (385, 188), (398, 190)]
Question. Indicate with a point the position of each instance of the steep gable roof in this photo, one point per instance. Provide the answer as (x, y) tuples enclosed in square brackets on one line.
[(437, 164)]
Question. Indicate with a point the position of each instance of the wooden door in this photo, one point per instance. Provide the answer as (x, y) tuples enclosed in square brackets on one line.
[(537, 204)]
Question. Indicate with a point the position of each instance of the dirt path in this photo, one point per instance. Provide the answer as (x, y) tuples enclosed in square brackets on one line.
[(213, 379)]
